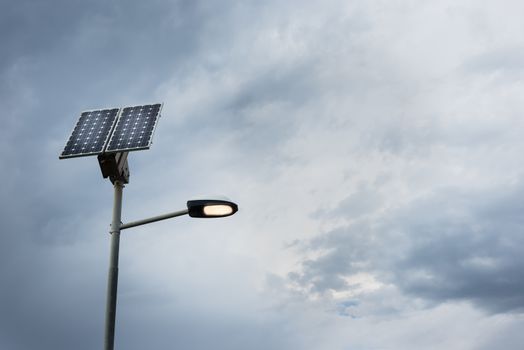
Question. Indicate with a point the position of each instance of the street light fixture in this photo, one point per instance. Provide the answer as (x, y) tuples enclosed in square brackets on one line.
[(201, 208), (111, 134), (211, 208)]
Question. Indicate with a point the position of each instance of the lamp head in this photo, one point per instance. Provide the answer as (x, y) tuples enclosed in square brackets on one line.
[(211, 208)]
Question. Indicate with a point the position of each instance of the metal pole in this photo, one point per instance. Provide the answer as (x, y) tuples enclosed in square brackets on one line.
[(112, 280)]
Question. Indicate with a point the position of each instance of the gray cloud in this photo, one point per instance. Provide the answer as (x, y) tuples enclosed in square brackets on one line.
[(341, 115), (449, 245)]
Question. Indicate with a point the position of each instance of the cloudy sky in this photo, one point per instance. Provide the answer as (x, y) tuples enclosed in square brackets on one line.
[(374, 148)]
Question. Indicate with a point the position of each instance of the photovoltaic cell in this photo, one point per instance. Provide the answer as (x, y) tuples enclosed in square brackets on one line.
[(91, 133), (134, 128)]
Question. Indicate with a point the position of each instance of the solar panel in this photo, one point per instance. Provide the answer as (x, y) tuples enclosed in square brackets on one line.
[(91, 133), (134, 128)]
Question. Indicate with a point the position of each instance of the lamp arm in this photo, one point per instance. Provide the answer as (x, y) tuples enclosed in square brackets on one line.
[(154, 219)]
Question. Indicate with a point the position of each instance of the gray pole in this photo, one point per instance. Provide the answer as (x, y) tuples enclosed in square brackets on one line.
[(112, 280)]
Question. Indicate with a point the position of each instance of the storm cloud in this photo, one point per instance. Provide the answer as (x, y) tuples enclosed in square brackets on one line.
[(373, 148)]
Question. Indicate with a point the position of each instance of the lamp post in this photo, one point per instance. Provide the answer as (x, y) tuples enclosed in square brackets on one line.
[(111, 134), (202, 208)]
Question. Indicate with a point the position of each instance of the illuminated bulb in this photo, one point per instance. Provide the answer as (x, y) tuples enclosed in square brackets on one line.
[(218, 210)]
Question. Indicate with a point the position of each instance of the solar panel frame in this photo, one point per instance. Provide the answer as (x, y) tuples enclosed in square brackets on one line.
[(104, 144), (136, 148)]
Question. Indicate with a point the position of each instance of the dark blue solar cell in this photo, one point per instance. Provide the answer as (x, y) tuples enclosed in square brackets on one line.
[(91, 133), (134, 128)]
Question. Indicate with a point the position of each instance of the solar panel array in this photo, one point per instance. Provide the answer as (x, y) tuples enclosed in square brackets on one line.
[(113, 130)]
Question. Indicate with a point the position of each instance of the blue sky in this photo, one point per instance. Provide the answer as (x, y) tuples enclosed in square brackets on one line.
[(373, 148)]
